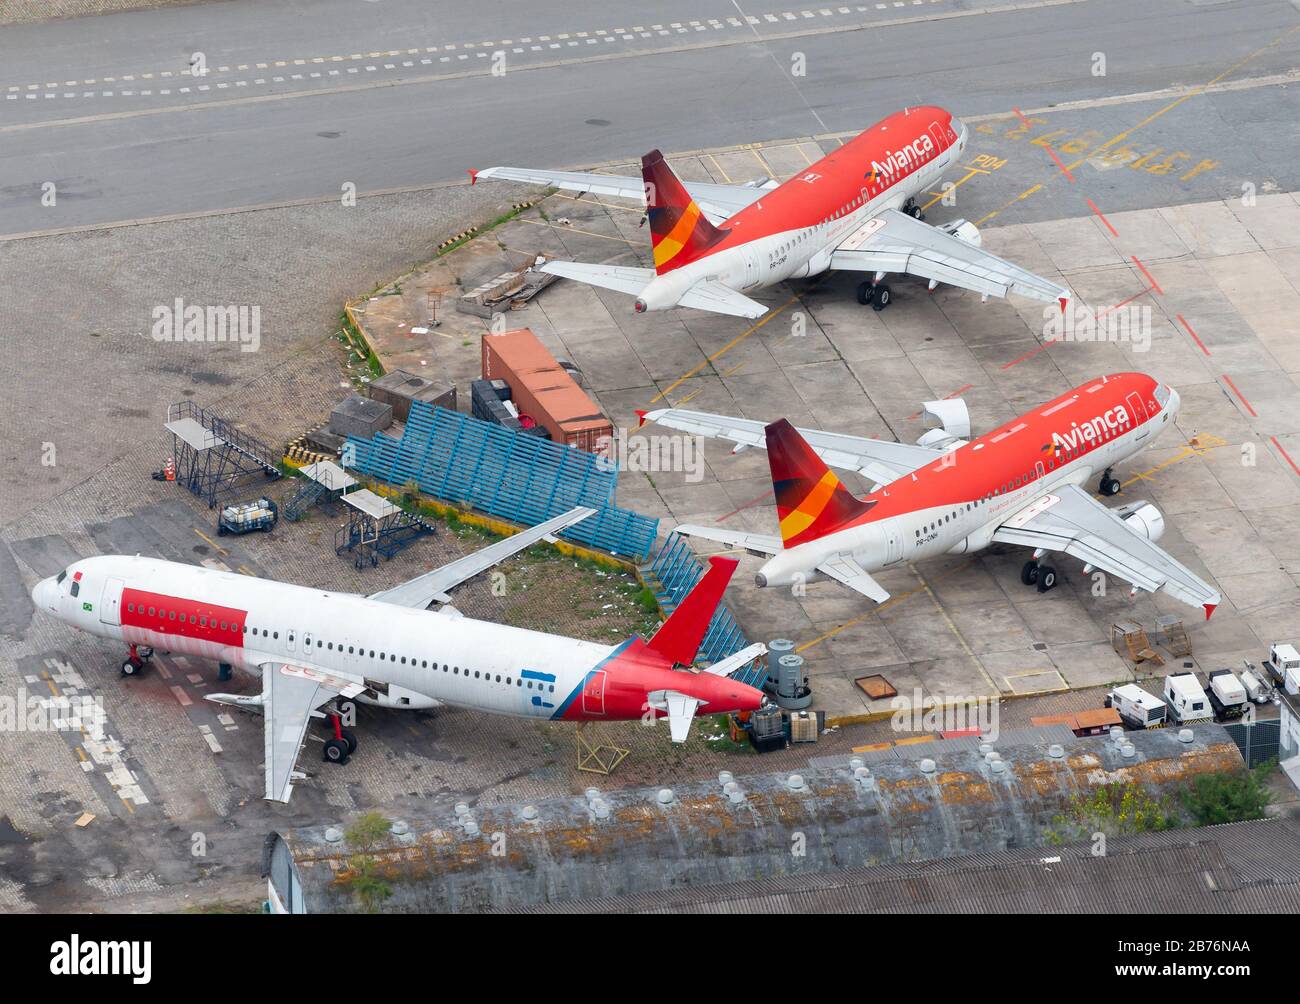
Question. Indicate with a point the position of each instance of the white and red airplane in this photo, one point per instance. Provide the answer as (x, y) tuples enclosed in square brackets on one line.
[(314, 649), (1020, 484), (853, 210)]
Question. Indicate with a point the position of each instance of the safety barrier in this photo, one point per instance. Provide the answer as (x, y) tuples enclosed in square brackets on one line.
[(514, 475), (1258, 742)]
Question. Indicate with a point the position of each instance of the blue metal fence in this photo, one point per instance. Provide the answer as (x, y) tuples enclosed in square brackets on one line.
[(673, 572), (505, 473)]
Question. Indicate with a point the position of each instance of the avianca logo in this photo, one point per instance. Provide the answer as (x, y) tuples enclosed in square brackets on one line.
[(1091, 430), (905, 159)]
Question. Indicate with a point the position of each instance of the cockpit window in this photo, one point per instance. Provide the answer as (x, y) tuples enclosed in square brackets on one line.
[(58, 579), (76, 588), (1162, 394)]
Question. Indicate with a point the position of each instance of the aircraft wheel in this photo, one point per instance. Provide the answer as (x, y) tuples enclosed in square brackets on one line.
[(1110, 486), (350, 738), (132, 667), (1029, 574), (336, 751), (883, 296), (866, 293), (915, 212), (1046, 578)]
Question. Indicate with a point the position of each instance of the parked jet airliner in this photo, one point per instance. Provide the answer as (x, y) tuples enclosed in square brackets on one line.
[(313, 647), (853, 210), (1020, 484)]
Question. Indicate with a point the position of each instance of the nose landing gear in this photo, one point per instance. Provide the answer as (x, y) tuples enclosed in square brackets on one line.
[(135, 662)]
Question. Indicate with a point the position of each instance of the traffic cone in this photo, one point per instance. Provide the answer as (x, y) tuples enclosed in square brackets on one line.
[(169, 469)]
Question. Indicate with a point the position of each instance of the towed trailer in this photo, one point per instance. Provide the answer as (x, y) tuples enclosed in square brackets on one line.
[(245, 517)]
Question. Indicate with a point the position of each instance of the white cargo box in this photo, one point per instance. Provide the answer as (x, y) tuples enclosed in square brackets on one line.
[(1186, 699), (1136, 706)]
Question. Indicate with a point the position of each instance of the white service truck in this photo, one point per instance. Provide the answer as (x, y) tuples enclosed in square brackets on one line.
[(1284, 667), (1228, 696), (1137, 709), (1187, 701)]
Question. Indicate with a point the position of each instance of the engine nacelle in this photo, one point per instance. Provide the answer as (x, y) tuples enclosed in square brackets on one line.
[(964, 230), (1144, 518), (948, 423)]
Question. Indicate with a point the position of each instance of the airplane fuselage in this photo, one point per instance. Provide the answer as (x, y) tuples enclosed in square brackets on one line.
[(409, 658), (955, 504), (792, 230)]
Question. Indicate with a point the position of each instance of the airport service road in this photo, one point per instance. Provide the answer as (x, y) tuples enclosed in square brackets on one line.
[(395, 94)]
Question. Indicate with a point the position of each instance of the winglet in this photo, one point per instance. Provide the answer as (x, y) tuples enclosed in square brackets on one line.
[(678, 638), (640, 417), (1063, 300), (473, 175), (1209, 609)]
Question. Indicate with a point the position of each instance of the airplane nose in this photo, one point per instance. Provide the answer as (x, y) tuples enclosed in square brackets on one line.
[(45, 594), (1175, 402)]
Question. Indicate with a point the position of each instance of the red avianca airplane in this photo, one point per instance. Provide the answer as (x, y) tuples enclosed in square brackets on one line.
[(853, 210), (1020, 484), (314, 649)]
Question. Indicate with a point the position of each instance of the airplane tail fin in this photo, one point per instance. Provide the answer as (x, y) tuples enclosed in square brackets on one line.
[(810, 500), (679, 232), (678, 638)]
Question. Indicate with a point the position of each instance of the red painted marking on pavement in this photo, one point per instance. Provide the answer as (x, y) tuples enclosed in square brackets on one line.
[(1228, 380), (1200, 344), (1030, 354), (1102, 216), (1143, 269), (1285, 455), (751, 502), (1124, 302), (1059, 163)]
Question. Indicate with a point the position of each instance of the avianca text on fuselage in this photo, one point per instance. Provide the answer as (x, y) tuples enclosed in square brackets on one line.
[(1093, 430), (908, 158)]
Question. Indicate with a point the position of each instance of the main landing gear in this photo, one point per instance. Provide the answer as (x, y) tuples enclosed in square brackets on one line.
[(1036, 574), (878, 294), (135, 662), (343, 745), (1109, 485), (913, 210)]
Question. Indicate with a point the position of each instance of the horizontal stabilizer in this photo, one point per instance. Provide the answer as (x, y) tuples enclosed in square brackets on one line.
[(711, 295), (842, 568), (729, 665), (621, 278), (681, 712)]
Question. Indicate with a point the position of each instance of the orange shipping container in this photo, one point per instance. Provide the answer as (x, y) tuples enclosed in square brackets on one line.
[(543, 390)]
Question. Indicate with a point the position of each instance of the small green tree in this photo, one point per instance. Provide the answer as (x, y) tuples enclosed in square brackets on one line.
[(1212, 799), (1117, 810), (367, 883)]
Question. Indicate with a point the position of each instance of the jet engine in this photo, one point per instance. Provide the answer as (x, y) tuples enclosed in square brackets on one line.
[(963, 230), (948, 423), (1143, 518)]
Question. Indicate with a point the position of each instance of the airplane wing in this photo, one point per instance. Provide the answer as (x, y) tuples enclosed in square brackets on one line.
[(717, 202), (1070, 520), (892, 241), (842, 568), (290, 696), (709, 294), (437, 584), (755, 542), (877, 459)]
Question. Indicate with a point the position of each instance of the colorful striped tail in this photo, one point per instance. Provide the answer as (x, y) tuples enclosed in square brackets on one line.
[(810, 500), (679, 232)]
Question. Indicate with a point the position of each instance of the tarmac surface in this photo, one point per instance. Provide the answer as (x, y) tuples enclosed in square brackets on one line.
[(1196, 104)]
